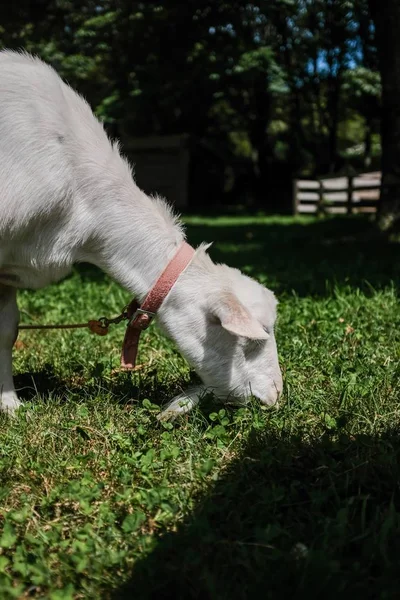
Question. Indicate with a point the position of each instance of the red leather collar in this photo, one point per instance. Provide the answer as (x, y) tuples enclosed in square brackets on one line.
[(140, 316)]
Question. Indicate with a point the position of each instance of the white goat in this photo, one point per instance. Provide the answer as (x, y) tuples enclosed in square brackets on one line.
[(67, 196)]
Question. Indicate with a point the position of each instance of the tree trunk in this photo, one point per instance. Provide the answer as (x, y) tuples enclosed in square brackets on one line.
[(333, 111), (368, 143), (259, 138), (387, 23)]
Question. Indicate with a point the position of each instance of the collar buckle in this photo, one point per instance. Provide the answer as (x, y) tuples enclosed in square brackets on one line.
[(141, 318)]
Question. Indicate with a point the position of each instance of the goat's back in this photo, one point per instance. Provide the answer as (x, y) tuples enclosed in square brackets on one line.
[(48, 134)]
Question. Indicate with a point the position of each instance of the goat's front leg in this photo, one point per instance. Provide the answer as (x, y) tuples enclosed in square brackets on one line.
[(9, 317), (187, 400), (183, 403)]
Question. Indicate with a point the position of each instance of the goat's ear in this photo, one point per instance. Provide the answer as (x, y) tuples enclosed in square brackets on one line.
[(236, 318)]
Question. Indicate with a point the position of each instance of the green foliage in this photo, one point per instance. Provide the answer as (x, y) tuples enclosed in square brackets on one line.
[(362, 82), (95, 492), (262, 60)]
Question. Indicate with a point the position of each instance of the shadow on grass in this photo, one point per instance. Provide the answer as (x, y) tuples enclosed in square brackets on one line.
[(306, 256), (124, 387), (309, 256), (288, 520)]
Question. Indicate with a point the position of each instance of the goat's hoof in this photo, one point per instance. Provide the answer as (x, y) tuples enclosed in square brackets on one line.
[(9, 404), (179, 406)]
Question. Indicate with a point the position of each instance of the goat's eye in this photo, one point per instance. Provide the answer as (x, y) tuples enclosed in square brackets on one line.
[(267, 330)]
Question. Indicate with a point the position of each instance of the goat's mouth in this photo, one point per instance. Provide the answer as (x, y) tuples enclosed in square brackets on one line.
[(241, 400), (235, 400), (231, 398), (236, 397)]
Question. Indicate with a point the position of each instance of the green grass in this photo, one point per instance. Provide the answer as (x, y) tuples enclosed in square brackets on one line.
[(99, 500)]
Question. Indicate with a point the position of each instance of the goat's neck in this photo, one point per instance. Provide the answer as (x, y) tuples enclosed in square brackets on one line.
[(135, 241)]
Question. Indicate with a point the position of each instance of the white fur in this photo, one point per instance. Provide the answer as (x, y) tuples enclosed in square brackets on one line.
[(67, 196)]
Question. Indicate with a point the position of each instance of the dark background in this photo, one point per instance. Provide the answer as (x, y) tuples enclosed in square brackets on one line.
[(263, 90)]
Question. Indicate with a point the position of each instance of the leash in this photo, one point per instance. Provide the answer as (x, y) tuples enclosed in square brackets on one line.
[(97, 326)]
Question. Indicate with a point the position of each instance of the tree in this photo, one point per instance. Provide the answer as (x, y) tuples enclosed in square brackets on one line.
[(387, 22), (362, 89)]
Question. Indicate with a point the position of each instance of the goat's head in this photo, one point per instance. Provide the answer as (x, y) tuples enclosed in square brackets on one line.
[(223, 323)]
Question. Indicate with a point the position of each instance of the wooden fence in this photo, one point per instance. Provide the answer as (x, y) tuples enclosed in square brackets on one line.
[(337, 195)]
